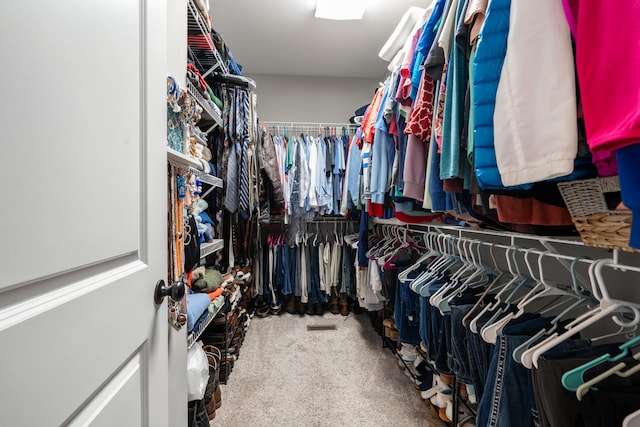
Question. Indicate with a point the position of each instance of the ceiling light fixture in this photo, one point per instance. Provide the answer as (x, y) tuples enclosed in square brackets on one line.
[(340, 10)]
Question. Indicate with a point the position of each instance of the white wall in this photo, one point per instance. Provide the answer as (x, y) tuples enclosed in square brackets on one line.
[(311, 99)]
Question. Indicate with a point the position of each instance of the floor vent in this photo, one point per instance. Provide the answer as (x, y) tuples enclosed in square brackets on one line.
[(321, 327)]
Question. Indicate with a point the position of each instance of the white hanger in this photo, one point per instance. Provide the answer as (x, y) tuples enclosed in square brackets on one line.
[(475, 279), (632, 420), (403, 242), (403, 276), (615, 370), (437, 246), (541, 289), (499, 275), (439, 267), (582, 299), (517, 280), (607, 307), (453, 281)]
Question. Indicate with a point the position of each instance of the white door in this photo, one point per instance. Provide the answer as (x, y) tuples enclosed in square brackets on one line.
[(82, 213)]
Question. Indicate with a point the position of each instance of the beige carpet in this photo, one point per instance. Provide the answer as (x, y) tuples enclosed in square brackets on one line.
[(287, 375)]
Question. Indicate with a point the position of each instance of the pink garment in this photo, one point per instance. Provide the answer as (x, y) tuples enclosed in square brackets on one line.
[(608, 64), (605, 162), (415, 168), (571, 11), (403, 95)]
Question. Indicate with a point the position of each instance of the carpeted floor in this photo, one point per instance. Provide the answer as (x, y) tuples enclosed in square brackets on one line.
[(287, 375)]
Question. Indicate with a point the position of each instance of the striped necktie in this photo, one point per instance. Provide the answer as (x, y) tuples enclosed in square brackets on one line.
[(244, 164), (231, 198)]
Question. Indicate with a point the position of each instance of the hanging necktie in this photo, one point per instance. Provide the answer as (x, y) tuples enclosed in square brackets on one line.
[(231, 199), (244, 165), (226, 118)]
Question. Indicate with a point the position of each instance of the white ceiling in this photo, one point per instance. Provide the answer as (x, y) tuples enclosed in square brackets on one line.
[(283, 37)]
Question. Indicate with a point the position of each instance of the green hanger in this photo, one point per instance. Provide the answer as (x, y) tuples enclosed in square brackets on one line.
[(574, 378)]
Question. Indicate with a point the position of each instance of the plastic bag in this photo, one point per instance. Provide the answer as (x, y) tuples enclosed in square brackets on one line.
[(197, 372)]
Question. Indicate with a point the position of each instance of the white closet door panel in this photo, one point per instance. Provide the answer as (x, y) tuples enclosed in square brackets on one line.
[(83, 217), (114, 402), (74, 128)]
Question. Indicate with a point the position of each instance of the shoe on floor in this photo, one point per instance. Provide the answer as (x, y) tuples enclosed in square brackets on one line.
[(299, 306), (309, 309), (334, 308), (344, 305), (408, 353), (291, 304)]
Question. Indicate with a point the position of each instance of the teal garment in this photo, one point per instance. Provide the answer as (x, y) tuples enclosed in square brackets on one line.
[(468, 163), (471, 134), (453, 117)]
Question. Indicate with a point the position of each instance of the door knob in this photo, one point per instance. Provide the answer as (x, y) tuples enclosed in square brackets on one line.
[(176, 291)]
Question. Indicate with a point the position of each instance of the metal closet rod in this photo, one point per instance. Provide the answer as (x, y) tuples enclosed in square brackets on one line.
[(331, 219), (309, 124)]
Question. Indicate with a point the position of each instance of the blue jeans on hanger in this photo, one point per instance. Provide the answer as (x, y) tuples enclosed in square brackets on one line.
[(512, 401), (278, 273), (315, 294), (408, 313), (287, 286), (363, 240), (461, 366), (425, 324), (434, 321), (347, 273)]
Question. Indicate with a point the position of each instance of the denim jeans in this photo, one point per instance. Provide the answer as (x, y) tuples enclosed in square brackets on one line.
[(459, 349), (425, 324), (287, 286), (278, 272), (407, 313), (347, 271), (314, 279), (512, 401), (479, 356), (431, 323)]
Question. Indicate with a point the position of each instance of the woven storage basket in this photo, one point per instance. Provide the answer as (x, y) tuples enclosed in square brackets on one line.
[(597, 224)]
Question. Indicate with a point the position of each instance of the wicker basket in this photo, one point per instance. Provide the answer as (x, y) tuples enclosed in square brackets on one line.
[(597, 224)]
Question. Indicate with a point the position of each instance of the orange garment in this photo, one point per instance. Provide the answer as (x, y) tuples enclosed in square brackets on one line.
[(369, 119), (215, 294)]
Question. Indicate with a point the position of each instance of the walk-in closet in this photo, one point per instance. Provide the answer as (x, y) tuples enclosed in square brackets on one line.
[(320, 213)]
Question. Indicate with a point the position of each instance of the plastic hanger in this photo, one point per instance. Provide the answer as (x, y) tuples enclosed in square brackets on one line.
[(439, 268), (439, 251), (517, 280), (615, 370), (582, 299), (475, 279), (489, 288), (632, 420), (453, 281), (473, 266), (540, 290), (608, 307), (404, 244), (573, 379), (403, 276)]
